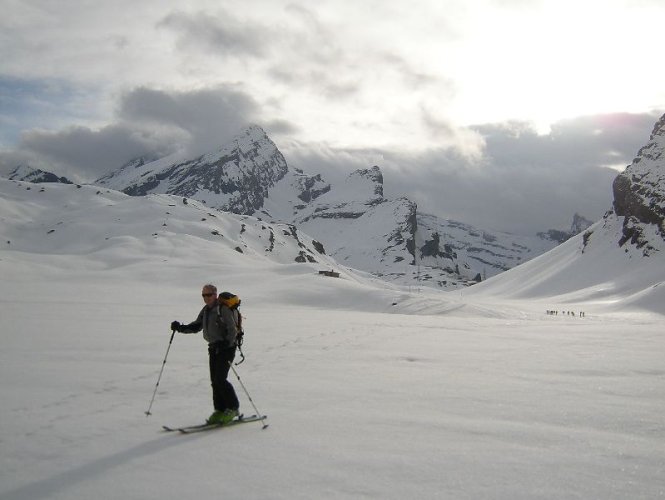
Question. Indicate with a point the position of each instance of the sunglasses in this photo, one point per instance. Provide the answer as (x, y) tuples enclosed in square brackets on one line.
[(207, 294)]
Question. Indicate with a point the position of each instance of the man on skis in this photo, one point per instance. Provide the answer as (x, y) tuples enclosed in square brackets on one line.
[(220, 329)]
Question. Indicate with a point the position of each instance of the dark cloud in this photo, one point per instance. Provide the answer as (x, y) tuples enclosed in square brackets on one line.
[(83, 153), (148, 122), (276, 128), (524, 200), (524, 182), (209, 116), (589, 141), (527, 182)]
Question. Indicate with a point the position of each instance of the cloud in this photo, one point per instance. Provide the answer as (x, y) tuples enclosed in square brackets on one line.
[(467, 142), (491, 196), (522, 182), (335, 164), (220, 33), (311, 39), (210, 117), (147, 122), (83, 153), (607, 140), (526, 181), (414, 78)]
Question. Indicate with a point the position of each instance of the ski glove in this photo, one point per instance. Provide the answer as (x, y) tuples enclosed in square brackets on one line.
[(175, 325)]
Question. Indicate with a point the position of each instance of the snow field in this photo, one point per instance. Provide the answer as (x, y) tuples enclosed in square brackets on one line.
[(371, 391), (360, 404)]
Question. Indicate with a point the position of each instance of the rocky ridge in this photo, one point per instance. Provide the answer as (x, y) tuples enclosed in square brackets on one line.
[(35, 175), (235, 178)]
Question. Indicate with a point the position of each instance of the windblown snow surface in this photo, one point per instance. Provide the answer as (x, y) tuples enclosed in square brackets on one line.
[(371, 391)]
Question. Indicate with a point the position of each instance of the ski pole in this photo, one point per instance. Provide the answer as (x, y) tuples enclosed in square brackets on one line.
[(160, 374), (258, 413)]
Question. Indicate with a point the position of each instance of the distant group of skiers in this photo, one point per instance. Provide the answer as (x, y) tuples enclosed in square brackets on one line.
[(581, 314)]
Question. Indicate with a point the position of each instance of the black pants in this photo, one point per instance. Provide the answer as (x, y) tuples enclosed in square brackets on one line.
[(223, 394)]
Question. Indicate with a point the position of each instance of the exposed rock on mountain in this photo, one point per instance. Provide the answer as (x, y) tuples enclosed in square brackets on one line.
[(374, 176), (236, 178), (29, 174), (639, 191), (578, 225), (464, 250), (310, 188)]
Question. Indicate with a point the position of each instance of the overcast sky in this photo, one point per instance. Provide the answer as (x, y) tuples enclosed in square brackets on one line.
[(507, 114)]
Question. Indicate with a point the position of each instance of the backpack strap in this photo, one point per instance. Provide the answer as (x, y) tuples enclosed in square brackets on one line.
[(232, 302)]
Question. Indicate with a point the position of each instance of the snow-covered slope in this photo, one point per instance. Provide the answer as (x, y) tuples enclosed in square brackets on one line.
[(370, 390), (83, 220), (86, 229), (619, 260), (598, 271)]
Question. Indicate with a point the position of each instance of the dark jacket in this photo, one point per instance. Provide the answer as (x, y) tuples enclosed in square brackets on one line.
[(218, 324)]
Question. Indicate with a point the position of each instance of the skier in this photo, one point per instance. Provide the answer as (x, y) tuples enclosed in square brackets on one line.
[(219, 325)]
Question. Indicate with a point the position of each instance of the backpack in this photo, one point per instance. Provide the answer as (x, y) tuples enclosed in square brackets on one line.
[(232, 301)]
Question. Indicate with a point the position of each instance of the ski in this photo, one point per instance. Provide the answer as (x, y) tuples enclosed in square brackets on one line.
[(206, 427)]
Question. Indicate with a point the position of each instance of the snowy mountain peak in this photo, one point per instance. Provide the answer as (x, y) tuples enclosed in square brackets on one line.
[(249, 143), (234, 178), (373, 176), (363, 186), (252, 135), (579, 224)]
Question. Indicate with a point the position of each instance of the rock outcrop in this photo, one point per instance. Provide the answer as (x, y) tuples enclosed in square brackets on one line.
[(639, 191), (35, 175)]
